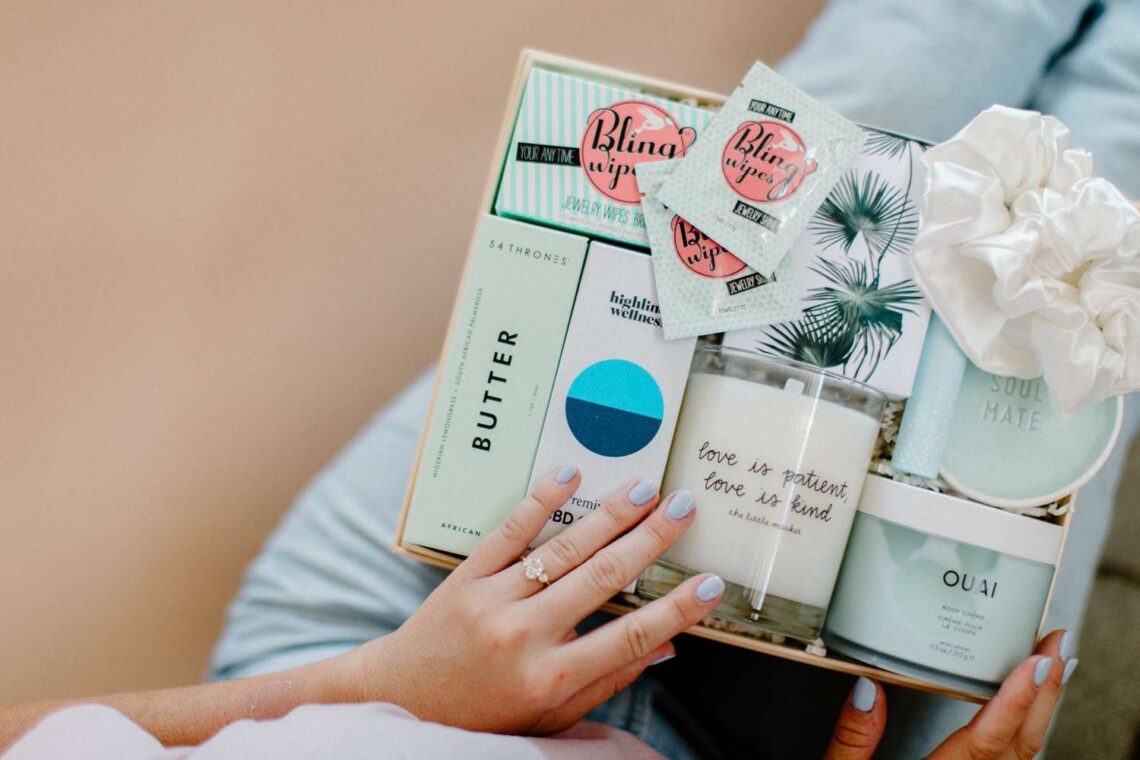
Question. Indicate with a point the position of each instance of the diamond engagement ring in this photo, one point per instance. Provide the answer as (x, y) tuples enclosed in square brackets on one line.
[(532, 566)]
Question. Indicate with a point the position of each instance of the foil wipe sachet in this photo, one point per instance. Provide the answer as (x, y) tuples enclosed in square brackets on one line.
[(762, 168), (703, 288)]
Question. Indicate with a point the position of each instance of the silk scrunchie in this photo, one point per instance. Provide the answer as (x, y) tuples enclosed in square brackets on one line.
[(1032, 261)]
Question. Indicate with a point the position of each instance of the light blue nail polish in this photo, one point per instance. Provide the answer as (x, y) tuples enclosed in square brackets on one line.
[(710, 588), (660, 660), (1068, 644), (864, 694), (1070, 666), (566, 474), (680, 505), (1041, 672), (642, 492)]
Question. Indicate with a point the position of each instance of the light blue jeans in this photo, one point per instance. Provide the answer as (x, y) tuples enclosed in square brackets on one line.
[(327, 580)]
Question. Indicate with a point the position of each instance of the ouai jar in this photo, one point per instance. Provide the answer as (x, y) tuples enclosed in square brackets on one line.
[(775, 454), (940, 588)]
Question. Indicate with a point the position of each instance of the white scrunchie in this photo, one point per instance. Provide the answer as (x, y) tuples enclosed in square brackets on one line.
[(1031, 261)]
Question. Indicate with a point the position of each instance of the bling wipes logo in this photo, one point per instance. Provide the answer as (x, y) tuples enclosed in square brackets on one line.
[(622, 135), (766, 161), (701, 254)]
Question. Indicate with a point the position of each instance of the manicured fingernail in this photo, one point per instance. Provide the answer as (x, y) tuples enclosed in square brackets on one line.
[(642, 492), (660, 660), (566, 474), (1068, 644), (1070, 666), (1041, 672), (864, 694), (680, 505), (710, 588)]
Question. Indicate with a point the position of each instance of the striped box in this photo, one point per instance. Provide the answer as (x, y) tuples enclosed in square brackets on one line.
[(574, 148)]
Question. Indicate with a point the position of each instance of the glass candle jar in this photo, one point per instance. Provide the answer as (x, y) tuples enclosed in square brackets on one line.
[(775, 453)]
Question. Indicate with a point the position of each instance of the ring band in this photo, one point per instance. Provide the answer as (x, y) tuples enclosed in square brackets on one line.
[(532, 566)]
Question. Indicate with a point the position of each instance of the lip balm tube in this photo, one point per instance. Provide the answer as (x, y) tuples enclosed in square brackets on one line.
[(929, 414)]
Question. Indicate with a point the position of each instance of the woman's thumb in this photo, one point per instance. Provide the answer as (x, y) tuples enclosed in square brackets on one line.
[(861, 723)]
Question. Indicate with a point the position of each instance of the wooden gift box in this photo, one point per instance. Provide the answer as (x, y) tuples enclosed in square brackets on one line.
[(619, 605)]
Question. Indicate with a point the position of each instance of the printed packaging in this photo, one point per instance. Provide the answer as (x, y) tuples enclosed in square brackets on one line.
[(863, 314), (574, 149), (940, 588), (495, 381), (428, 450), (763, 166), (619, 385), (703, 288)]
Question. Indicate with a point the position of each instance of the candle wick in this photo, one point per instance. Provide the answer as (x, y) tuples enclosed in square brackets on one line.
[(792, 385)]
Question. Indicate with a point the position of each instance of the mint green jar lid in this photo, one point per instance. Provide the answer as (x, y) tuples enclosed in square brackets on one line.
[(961, 520), (1010, 448)]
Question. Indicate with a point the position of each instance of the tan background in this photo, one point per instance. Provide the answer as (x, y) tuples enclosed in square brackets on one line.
[(229, 233)]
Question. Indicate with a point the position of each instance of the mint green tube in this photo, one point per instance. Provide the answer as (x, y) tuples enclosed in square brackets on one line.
[(926, 422)]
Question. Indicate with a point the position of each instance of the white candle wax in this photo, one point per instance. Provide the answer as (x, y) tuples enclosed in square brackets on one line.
[(776, 475)]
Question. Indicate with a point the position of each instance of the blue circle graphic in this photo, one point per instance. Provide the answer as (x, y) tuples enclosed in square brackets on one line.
[(614, 408)]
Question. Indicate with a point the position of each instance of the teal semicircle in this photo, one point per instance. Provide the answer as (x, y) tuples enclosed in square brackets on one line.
[(620, 384), (614, 408)]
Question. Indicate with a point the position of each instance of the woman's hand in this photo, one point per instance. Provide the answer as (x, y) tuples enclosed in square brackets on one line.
[(494, 650), (1011, 726), (490, 650)]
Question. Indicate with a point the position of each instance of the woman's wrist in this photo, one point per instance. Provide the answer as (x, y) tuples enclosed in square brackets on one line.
[(368, 673)]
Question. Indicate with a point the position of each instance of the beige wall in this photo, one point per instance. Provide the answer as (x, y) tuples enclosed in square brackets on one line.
[(228, 233)]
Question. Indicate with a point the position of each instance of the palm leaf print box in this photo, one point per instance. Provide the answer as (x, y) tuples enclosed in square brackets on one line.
[(575, 145), (863, 315)]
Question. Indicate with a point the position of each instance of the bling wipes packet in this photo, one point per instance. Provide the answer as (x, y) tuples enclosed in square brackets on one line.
[(762, 168), (574, 149), (702, 287)]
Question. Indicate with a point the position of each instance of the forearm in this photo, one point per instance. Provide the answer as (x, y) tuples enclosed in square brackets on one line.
[(191, 714)]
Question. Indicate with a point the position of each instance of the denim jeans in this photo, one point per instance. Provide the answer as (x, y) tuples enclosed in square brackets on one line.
[(327, 579)]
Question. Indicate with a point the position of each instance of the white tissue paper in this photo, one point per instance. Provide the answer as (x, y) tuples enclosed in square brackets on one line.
[(1032, 262)]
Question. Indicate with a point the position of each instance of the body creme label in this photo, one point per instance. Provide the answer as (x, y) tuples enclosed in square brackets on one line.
[(898, 599), (622, 135)]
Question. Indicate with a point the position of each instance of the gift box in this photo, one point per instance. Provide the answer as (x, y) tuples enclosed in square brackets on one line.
[(443, 420)]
